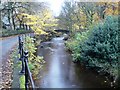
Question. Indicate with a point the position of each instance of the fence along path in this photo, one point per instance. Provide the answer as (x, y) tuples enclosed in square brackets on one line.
[(29, 83)]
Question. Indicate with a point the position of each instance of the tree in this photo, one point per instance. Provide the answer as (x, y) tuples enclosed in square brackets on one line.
[(89, 10), (39, 23), (11, 9), (67, 13), (76, 16), (106, 8), (101, 48)]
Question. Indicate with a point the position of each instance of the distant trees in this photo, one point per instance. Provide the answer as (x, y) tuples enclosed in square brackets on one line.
[(40, 22), (95, 44), (66, 15), (8, 11), (12, 10), (106, 8), (80, 15)]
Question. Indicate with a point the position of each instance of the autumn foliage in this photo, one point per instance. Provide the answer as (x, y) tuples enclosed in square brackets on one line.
[(40, 22), (94, 38)]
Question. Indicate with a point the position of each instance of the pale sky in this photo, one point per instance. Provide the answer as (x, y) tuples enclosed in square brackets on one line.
[(55, 6)]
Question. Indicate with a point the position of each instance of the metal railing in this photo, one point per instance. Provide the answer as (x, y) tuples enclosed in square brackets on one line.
[(25, 68)]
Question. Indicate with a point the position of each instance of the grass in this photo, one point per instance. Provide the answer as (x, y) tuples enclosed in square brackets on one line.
[(22, 82), (18, 80)]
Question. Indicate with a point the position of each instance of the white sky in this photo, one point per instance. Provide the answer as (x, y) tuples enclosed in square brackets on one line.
[(55, 6)]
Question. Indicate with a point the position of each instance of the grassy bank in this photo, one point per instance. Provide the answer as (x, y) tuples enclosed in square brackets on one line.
[(34, 63)]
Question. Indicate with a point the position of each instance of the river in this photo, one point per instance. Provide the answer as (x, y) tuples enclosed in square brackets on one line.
[(60, 72)]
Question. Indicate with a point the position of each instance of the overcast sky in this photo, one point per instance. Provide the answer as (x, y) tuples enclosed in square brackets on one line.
[(55, 6)]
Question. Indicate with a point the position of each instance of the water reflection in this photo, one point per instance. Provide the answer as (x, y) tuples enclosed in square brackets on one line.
[(60, 72)]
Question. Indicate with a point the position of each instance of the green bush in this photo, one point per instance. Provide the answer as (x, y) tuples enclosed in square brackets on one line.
[(75, 43), (101, 48), (35, 62)]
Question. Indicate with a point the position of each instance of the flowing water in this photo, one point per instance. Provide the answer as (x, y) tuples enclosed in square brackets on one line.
[(60, 72)]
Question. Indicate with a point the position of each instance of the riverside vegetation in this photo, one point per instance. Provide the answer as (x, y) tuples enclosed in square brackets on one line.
[(98, 47), (93, 40)]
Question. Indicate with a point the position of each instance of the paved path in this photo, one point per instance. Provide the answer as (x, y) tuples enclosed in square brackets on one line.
[(6, 45)]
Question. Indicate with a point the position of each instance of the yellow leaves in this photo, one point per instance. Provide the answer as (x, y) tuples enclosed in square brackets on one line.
[(31, 23), (109, 11), (96, 17), (24, 14), (39, 22), (113, 9), (38, 30), (83, 19), (34, 21), (46, 14), (76, 26)]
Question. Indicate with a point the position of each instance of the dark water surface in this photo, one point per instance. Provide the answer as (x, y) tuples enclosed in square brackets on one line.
[(60, 72)]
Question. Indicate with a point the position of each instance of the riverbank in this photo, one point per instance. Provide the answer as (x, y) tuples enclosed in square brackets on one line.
[(60, 72), (97, 48)]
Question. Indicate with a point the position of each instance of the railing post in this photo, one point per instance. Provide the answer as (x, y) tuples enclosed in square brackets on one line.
[(26, 70), (19, 41), (22, 59)]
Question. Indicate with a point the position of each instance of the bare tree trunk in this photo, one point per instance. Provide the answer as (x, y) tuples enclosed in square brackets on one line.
[(13, 22), (23, 26), (0, 17), (26, 27), (9, 20), (20, 24)]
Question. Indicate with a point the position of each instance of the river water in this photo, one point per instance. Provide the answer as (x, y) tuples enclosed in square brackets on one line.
[(60, 72)]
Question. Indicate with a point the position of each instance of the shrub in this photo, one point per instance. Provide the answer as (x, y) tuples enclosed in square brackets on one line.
[(101, 48), (35, 62), (75, 44)]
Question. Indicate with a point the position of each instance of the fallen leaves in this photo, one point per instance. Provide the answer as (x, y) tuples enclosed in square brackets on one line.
[(7, 71)]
